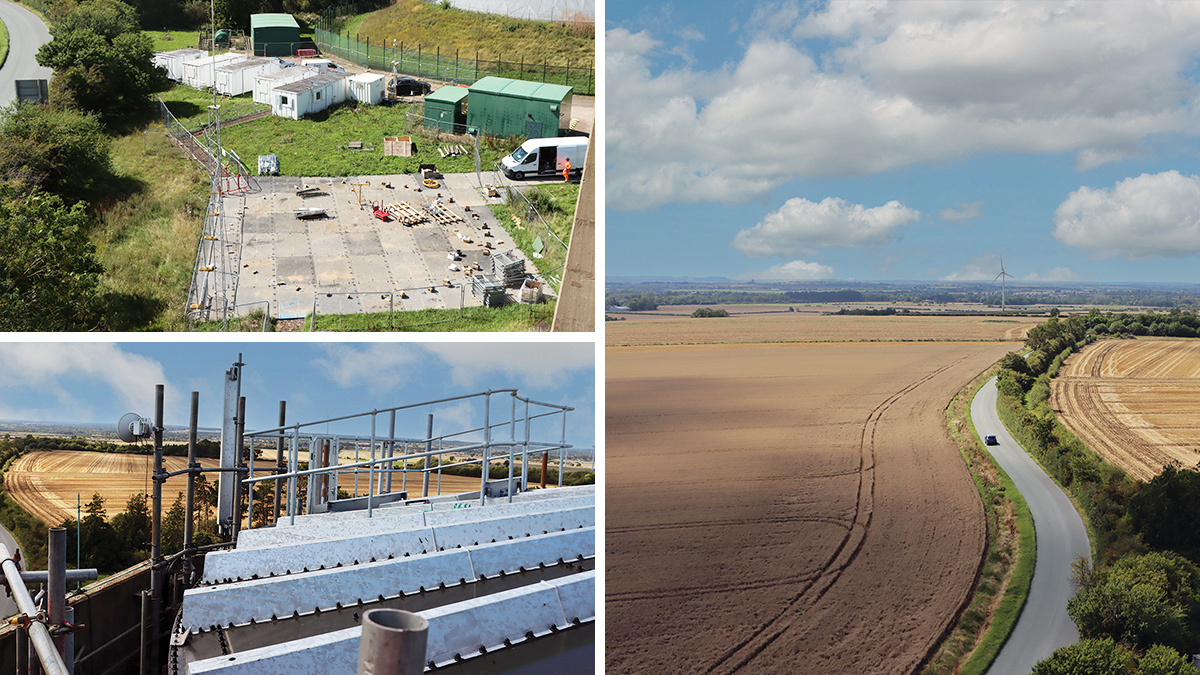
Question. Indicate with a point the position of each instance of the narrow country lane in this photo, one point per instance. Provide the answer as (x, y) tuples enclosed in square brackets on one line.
[(1061, 538), (26, 33)]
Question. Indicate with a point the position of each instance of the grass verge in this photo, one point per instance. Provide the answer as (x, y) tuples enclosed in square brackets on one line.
[(3, 44), (510, 317), (556, 202), (1009, 559)]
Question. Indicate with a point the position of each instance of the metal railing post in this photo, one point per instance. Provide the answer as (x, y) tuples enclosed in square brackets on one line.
[(485, 471), (525, 453), (193, 423), (279, 460), (428, 449), (56, 586), (371, 473)]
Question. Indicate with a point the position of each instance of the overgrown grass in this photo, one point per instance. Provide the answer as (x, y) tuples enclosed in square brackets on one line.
[(492, 36), (1003, 586), (190, 106), (146, 234), (316, 145), (556, 203), (510, 317), (165, 41)]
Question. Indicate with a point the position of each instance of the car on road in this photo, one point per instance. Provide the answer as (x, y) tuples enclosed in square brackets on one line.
[(407, 86), (990, 439)]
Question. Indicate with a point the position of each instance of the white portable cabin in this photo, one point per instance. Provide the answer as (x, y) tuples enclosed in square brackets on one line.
[(367, 88), (314, 94), (235, 79), (265, 84), (200, 72), (173, 60)]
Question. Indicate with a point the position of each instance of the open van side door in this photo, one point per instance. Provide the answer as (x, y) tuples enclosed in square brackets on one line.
[(548, 160)]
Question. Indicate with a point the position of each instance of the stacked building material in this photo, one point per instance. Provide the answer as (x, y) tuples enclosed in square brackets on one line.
[(489, 288), (509, 266)]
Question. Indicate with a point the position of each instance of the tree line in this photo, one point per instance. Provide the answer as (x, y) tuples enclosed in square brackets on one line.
[(1137, 605)]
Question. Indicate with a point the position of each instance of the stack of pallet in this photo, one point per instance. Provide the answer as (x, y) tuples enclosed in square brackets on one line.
[(489, 288), (510, 267), (439, 213), (404, 213)]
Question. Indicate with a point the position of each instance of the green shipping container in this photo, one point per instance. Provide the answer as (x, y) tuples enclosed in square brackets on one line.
[(446, 110), (505, 107), (274, 34)]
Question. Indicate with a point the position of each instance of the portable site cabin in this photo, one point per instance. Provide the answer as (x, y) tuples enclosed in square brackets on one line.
[(274, 34), (174, 59), (201, 73), (367, 88), (234, 79), (446, 110), (506, 107), (264, 85), (314, 94)]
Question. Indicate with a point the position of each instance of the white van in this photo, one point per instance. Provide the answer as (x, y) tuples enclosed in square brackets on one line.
[(321, 64), (546, 157)]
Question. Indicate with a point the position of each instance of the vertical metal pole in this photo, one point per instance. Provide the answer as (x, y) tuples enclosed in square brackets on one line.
[(393, 642), (156, 581), (371, 473), (250, 490), (391, 451), (511, 464), (562, 450), (292, 461), (78, 538), (241, 463), (279, 464), (69, 642), (428, 449), (56, 586), (188, 526), (145, 668), (525, 453), (22, 651), (404, 471), (487, 447), (545, 456)]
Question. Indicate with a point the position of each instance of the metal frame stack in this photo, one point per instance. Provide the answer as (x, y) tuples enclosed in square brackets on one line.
[(490, 288), (510, 267)]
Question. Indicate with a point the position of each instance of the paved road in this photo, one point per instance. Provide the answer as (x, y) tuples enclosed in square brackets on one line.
[(26, 33), (1061, 538)]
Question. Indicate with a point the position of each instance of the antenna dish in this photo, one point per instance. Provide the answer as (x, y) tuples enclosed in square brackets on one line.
[(133, 427)]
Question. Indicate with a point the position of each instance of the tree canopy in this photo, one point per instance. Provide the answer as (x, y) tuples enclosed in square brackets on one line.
[(62, 151)]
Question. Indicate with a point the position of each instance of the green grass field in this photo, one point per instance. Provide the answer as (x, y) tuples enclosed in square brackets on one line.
[(172, 39), (511, 317)]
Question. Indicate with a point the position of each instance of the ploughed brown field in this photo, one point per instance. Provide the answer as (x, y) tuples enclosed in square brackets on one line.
[(789, 508), (756, 323), (1136, 402), (46, 483)]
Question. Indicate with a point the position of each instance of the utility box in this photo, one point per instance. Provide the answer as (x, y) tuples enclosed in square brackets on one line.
[(505, 107), (274, 34), (33, 91), (446, 110), (367, 88)]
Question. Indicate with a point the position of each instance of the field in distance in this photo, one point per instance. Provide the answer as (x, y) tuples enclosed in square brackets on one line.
[(673, 324), (1135, 402), (789, 508)]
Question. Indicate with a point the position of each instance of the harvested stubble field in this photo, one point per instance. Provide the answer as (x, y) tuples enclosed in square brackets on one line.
[(46, 483), (1136, 402), (790, 508), (801, 326)]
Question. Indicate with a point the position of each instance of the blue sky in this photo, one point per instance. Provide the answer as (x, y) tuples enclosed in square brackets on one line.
[(99, 382), (903, 140)]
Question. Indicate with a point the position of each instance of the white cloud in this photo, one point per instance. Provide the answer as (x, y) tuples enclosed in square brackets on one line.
[(800, 227), (49, 367), (965, 211), (378, 365), (534, 364), (905, 83), (1054, 274), (980, 268), (796, 270), (1151, 215)]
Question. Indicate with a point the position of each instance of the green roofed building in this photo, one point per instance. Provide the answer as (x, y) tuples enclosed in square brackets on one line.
[(505, 107), (274, 34), (446, 110)]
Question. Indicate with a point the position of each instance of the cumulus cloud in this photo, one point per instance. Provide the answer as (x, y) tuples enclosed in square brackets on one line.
[(1147, 216), (980, 268), (536, 364), (902, 83), (1054, 274), (800, 227), (50, 366), (965, 211), (796, 270), (378, 365)]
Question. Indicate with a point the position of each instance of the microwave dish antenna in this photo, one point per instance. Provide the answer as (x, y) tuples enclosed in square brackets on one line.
[(133, 427)]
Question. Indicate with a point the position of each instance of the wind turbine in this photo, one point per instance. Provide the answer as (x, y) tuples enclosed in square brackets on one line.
[(1003, 287)]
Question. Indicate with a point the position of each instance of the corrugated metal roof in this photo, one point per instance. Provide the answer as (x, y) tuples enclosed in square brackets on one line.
[(253, 62), (273, 21), (294, 71), (310, 83), (503, 86)]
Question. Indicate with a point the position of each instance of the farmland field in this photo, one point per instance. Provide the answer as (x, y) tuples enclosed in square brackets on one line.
[(46, 483), (790, 508), (1136, 402), (751, 324)]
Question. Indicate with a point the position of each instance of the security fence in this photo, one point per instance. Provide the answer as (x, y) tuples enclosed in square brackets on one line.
[(430, 62)]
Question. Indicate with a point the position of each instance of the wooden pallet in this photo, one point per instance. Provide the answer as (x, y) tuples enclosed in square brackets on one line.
[(404, 213), (443, 215), (398, 146)]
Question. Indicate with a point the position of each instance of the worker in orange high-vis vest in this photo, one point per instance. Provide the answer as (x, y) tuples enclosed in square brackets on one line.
[(567, 172)]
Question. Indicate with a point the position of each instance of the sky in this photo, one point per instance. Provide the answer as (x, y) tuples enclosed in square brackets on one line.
[(922, 140), (99, 382)]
